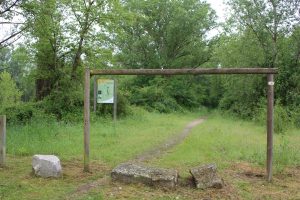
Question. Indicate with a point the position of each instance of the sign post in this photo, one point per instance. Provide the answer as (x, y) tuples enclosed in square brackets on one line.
[(95, 94), (115, 100), (86, 155), (2, 140), (270, 125), (107, 93)]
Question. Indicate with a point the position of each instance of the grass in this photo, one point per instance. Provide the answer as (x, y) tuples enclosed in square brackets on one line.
[(235, 145), (223, 140), (109, 142)]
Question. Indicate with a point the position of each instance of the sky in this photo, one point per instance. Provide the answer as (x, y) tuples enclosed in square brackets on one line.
[(219, 7)]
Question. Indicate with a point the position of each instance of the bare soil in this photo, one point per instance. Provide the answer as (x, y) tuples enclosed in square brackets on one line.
[(144, 157), (242, 181), (159, 150)]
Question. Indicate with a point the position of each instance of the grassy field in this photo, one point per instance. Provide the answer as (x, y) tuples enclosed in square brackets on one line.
[(238, 148)]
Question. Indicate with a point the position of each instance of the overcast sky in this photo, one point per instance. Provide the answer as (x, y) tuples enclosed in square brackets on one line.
[(219, 7)]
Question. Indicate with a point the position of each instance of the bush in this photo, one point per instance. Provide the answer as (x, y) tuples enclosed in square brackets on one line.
[(153, 98), (9, 93), (282, 118), (296, 118), (123, 106), (65, 103), (25, 113)]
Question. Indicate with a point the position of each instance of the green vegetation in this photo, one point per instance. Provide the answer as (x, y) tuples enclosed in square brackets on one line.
[(41, 82), (221, 139), (47, 66), (9, 94), (110, 143), (226, 140)]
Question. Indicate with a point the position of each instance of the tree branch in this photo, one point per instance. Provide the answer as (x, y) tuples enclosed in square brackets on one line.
[(12, 36), (9, 7)]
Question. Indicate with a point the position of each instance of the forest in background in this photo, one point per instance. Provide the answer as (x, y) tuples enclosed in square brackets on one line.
[(42, 73)]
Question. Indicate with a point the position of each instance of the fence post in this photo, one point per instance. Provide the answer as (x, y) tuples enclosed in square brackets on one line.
[(270, 126), (2, 140), (95, 93), (115, 100), (86, 156)]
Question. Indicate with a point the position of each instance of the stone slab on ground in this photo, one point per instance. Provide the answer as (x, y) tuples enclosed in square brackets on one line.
[(134, 173), (46, 166), (205, 176)]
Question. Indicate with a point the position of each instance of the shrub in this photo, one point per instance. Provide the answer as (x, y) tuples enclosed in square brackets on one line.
[(296, 118), (123, 106), (281, 117), (9, 93), (25, 113), (64, 102)]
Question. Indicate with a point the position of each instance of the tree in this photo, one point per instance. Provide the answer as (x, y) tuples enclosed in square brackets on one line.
[(61, 46), (9, 93), (165, 34), (10, 15), (268, 20), (262, 34)]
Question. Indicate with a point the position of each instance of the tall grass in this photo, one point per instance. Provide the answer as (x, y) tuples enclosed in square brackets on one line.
[(224, 140), (221, 139), (110, 142)]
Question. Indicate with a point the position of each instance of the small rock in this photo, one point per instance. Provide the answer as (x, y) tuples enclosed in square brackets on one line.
[(46, 166), (133, 173), (206, 176)]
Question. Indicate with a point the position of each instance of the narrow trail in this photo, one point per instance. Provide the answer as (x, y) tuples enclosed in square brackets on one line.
[(146, 156), (171, 142)]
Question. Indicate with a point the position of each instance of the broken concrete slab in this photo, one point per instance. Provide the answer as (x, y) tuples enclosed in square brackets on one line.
[(205, 176), (134, 173), (46, 166)]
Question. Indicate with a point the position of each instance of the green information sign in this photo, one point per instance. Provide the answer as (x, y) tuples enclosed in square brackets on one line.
[(105, 92)]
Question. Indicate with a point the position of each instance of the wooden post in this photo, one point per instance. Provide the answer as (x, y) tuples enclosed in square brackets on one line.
[(86, 120), (115, 100), (193, 71), (270, 126), (95, 93), (2, 140)]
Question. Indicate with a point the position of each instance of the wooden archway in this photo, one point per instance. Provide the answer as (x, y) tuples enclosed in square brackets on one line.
[(198, 71)]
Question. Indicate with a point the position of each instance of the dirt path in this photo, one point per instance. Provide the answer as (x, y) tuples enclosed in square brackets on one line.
[(146, 156), (159, 150)]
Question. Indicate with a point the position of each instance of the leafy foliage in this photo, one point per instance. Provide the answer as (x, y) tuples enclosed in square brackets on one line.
[(9, 93), (64, 36)]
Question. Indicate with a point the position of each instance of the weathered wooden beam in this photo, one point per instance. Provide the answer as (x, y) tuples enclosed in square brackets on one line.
[(86, 155), (2, 140), (270, 125), (95, 93), (184, 71), (115, 100)]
